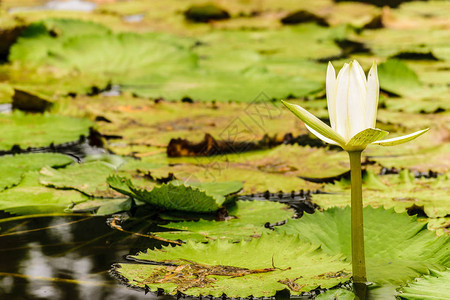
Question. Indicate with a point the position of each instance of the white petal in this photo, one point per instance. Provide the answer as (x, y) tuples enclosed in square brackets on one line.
[(323, 138), (401, 139), (356, 100), (341, 96), (360, 140), (373, 92), (314, 122), (331, 91), (361, 71)]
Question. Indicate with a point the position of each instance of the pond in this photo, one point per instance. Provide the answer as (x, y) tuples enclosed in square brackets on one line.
[(65, 257), (141, 141)]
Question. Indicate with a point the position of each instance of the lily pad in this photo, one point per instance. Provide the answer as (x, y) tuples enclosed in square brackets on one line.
[(207, 85), (246, 220), (29, 197), (40, 130), (433, 286), (305, 162), (178, 195), (416, 157), (396, 77), (88, 178), (388, 42), (397, 247), (402, 192), (103, 206), (49, 34), (338, 294), (257, 268), (14, 167), (220, 169)]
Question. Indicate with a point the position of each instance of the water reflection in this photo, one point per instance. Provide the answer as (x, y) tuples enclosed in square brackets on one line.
[(69, 5), (66, 258)]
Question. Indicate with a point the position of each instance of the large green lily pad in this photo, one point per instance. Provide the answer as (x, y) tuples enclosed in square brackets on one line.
[(220, 169), (88, 178), (259, 268), (207, 85), (178, 195), (40, 130), (401, 192), (416, 157), (397, 78), (14, 167), (433, 286), (160, 65), (29, 197), (397, 247), (246, 220)]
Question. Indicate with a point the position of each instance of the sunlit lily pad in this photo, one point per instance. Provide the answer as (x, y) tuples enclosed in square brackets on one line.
[(178, 195), (424, 159), (88, 178), (220, 169), (397, 247), (337, 294), (305, 162), (246, 220), (14, 167), (40, 130), (396, 77), (388, 42), (166, 66), (433, 286), (30, 197), (103, 206), (402, 192), (259, 268)]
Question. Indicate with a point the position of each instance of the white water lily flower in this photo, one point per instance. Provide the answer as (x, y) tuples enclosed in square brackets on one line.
[(352, 106)]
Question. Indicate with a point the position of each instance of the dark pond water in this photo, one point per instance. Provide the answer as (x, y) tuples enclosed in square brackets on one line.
[(66, 257)]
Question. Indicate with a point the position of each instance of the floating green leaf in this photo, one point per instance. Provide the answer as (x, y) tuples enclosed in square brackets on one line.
[(40, 130), (49, 34), (415, 157), (14, 167), (433, 286), (29, 197), (177, 195), (259, 268), (338, 294), (397, 247), (88, 178), (401, 192), (208, 85), (396, 77), (246, 220), (103, 206)]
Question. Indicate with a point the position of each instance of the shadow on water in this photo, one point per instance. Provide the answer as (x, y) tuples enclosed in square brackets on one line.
[(66, 257)]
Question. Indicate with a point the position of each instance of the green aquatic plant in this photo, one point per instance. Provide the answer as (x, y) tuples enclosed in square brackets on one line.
[(352, 106)]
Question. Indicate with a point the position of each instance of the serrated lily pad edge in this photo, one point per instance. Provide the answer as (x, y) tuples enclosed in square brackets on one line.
[(137, 191)]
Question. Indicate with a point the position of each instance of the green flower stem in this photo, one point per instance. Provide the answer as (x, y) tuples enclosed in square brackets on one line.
[(358, 258)]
